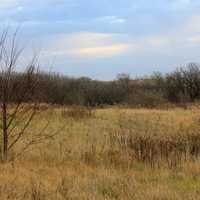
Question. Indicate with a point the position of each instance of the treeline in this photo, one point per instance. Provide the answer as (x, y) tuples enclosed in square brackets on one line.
[(180, 86)]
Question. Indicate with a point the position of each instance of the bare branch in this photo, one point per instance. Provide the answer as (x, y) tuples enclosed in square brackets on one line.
[(21, 133)]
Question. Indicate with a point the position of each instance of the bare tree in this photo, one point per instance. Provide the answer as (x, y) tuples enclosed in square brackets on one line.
[(18, 94)]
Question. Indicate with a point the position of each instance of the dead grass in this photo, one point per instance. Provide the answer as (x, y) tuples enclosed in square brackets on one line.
[(116, 154), (77, 112)]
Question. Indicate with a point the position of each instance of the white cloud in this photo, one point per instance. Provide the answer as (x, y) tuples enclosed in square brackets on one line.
[(192, 25), (112, 19), (180, 4), (87, 44), (9, 3), (194, 40), (86, 39), (101, 51), (182, 1), (118, 21), (184, 37), (94, 45)]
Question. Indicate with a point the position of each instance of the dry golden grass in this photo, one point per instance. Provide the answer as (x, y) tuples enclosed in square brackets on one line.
[(92, 158)]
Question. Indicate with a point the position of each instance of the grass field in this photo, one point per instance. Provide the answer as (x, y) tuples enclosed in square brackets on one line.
[(111, 153)]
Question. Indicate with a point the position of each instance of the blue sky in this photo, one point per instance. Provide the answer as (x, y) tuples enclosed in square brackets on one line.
[(101, 38)]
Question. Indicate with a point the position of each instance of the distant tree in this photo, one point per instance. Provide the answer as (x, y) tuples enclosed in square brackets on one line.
[(123, 81), (191, 79), (182, 85)]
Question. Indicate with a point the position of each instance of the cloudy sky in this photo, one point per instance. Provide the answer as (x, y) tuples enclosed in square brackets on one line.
[(101, 38)]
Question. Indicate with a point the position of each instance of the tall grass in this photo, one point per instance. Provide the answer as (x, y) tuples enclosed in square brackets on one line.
[(155, 142), (113, 154), (78, 112)]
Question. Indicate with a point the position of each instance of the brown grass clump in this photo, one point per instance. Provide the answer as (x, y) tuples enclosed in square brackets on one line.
[(158, 140), (172, 151), (78, 112)]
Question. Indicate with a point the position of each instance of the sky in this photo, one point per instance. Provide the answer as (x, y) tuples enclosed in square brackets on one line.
[(102, 38)]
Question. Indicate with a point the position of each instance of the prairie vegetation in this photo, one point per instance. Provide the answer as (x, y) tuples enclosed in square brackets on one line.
[(113, 153), (66, 138)]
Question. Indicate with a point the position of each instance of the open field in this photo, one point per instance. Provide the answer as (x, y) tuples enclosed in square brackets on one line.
[(109, 153)]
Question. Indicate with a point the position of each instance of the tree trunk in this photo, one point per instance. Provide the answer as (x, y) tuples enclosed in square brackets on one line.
[(5, 133)]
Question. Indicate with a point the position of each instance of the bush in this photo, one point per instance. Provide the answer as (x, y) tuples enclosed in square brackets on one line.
[(146, 99)]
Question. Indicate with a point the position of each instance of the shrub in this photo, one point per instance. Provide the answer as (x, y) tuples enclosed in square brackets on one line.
[(146, 99)]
